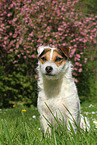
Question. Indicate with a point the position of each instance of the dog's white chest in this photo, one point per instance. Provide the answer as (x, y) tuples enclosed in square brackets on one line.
[(57, 96)]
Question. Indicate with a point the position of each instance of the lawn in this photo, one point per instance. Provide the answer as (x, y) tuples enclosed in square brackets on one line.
[(21, 126)]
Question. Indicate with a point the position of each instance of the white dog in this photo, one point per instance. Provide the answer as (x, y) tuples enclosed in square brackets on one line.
[(57, 88)]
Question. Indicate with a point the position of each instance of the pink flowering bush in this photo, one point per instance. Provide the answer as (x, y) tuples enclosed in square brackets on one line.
[(27, 24)]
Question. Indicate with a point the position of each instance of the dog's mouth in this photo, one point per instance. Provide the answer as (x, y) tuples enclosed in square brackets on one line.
[(49, 74)]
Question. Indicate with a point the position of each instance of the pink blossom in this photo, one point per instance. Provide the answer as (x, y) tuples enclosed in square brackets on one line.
[(80, 70), (73, 51), (10, 33), (64, 44), (31, 34), (75, 80), (33, 56), (77, 55), (25, 57), (5, 38), (27, 51), (81, 53), (9, 14), (16, 51), (36, 77), (15, 19), (14, 62), (18, 56), (77, 63), (60, 29), (91, 37), (11, 50), (85, 60)]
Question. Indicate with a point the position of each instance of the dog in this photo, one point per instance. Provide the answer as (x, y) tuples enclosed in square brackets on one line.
[(57, 95)]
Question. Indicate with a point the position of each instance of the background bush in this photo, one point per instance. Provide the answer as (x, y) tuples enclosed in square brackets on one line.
[(87, 79), (17, 87), (24, 25)]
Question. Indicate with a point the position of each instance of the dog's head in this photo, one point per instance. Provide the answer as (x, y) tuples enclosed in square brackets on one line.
[(52, 61)]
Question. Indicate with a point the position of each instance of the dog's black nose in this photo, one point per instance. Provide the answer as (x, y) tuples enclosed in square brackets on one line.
[(48, 69)]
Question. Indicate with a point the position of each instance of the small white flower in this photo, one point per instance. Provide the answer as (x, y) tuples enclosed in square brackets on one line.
[(34, 116), (86, 113), (91, 105), (39, 128), (93, 112), (95, 121)]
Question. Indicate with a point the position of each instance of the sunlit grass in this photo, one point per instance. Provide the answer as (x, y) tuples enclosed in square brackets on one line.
[(19, 127)]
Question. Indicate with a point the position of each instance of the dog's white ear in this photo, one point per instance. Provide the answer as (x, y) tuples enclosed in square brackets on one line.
[(40, 49)]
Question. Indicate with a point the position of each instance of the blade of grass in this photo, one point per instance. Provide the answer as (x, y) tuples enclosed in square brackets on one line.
[(55, 139), (56, 119), (7, 133)]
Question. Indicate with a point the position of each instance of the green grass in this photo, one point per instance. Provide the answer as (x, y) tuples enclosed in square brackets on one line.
[(23, 128)]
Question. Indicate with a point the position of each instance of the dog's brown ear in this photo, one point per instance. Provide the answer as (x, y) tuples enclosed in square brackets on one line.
[(65, 50)]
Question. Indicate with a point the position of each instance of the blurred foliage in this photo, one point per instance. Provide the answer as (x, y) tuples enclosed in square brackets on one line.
[(87, 6), (17, 87), (17, 56), (87, 84)]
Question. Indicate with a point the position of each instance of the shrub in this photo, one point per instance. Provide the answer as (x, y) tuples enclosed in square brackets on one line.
[(87, 79), (27, 24), (17, 87)]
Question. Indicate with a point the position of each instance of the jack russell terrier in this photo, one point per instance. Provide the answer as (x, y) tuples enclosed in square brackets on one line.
[(57, 90)]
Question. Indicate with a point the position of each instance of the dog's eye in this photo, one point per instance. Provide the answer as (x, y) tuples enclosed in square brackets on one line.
[(43, 58), (58, 59)]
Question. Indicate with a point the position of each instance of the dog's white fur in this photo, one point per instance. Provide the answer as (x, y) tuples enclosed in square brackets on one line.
[(58, 91)]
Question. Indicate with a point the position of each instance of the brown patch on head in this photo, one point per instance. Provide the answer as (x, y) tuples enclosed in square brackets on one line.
[(57, 58), (45, 55)]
